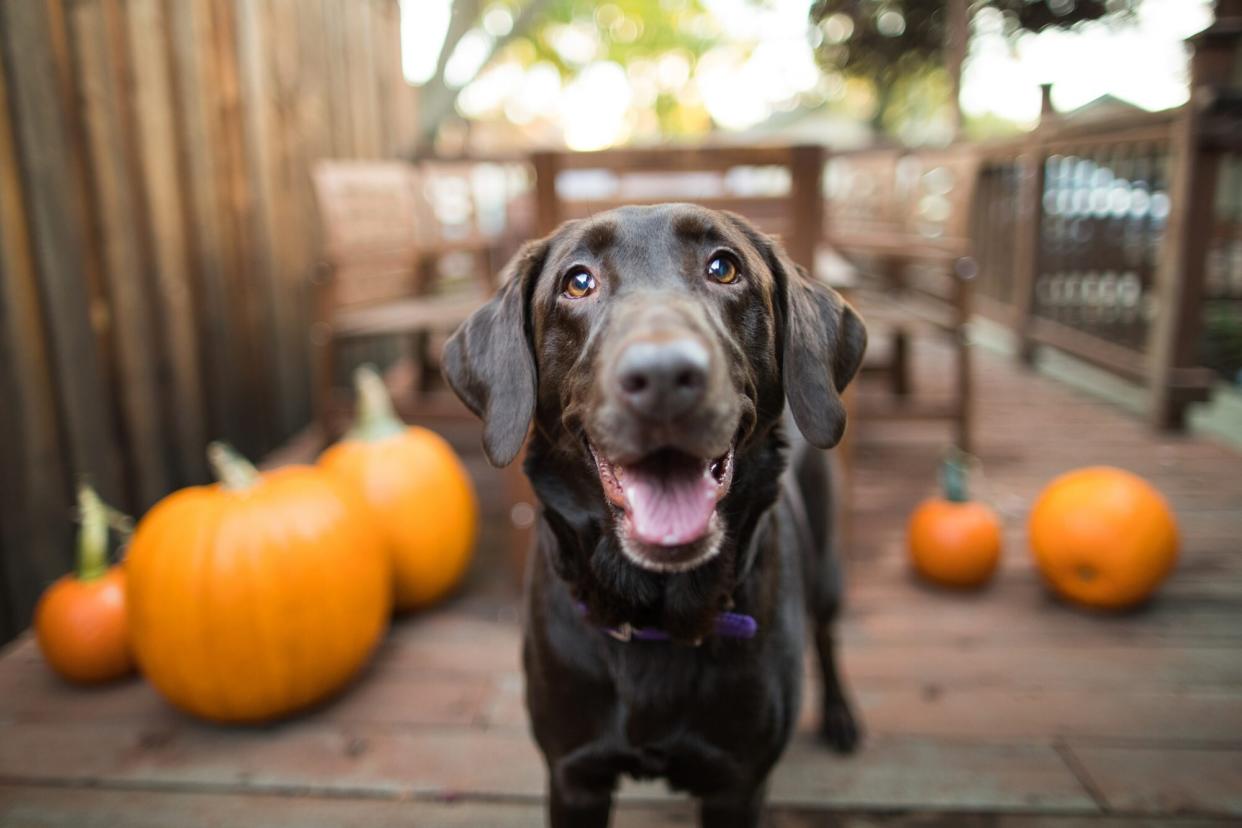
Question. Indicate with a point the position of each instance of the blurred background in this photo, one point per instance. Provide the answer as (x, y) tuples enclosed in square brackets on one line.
[(213, 211)]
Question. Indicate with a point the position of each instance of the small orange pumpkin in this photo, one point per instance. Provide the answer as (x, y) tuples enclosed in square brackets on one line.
[(954, 541), (1103, 537), (259, 596), (79, 621), (418, 489)]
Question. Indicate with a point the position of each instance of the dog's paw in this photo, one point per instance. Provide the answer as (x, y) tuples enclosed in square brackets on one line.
[(838, 729)]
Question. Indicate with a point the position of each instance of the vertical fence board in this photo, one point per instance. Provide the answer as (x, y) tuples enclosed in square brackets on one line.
[(337, 89), (259, 115), (157, 140), (240, 219), (397, 96), (363, 81), (123, 259), (222, 345), (291, 191), (158, 240), (34, 532), (54, 199)]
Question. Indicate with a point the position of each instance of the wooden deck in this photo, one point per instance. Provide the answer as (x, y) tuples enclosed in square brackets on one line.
[(1004, 708)]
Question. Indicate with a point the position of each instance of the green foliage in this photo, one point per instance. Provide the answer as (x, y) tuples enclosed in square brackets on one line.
[(628, 30), (885, 41)]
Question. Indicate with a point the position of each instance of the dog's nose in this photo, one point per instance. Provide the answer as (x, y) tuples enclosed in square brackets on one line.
[(663, 380)]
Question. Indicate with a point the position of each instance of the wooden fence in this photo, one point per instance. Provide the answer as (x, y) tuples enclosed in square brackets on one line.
[(1069, 225), (1121, 241), (157, 231)]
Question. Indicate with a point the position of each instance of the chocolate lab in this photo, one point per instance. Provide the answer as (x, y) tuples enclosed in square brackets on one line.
[(685, 531)]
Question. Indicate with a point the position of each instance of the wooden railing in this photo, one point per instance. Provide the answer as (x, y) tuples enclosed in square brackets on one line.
[(1222, 306), (1110, 240), (1068, 226)]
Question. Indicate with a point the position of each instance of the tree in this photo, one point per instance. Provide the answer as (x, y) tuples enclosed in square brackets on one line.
[(437, 97), (627, 30), (886, 41)]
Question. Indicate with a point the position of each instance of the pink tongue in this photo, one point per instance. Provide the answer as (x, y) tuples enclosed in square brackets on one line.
[(671, 507)]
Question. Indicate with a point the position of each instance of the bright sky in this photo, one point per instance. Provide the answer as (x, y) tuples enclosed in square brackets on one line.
[(1144, 64), (765, 61)]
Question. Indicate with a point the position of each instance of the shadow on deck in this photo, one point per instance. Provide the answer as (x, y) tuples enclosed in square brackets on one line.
[(999, 708)]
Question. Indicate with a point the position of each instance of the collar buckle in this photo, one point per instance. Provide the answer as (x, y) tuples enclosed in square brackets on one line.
[(622, 633)]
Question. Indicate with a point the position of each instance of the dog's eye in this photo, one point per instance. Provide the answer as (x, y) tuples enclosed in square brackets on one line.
[(579, 283), (722, 269)]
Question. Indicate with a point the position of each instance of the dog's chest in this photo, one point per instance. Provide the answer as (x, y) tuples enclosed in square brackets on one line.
[(696, 718), (714, 693)]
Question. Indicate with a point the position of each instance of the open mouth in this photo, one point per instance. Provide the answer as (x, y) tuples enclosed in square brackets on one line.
[(668, 497)]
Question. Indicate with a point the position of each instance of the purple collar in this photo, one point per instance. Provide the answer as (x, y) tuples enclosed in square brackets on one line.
[(727, 625)]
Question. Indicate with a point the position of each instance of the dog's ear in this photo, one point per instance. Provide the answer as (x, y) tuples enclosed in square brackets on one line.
[(822, 348), (821, 340), (489, 361)]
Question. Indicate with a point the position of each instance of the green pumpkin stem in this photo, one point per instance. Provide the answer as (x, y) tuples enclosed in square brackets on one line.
[(92, 536), (119, 522), (230, 468), (954, 472), (376, 419)]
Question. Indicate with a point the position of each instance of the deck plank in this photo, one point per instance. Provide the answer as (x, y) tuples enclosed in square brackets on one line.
[(53, 807), (900, 774), (1165, 780), (1004, 708)]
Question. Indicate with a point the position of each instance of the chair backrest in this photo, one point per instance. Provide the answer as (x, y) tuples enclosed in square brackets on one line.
[(912, 204), (775, 187), (370, 212)]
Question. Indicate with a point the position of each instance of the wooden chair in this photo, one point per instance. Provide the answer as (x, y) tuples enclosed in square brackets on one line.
[(409, 254), (776, 187), (903, 220), (404, 257)]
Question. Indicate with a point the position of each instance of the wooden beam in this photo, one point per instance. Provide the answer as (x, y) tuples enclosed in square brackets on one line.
[(805, 204), (116, 182), (1174, 338), (1027, 245), (56, 202), (34, 492), (547, 202)]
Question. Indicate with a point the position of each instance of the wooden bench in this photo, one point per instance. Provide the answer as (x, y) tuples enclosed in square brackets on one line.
[(408, 254), (902, 218), (405, 256)]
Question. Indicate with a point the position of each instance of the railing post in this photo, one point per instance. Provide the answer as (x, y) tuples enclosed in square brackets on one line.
[(1174, 340), (1027, 246), (547, 205), (965, 270), (806, 202)]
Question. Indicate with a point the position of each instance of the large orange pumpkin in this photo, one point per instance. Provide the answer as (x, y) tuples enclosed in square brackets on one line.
[(1103, 537), (954, 541), (79, 622), (420, 493), (259, 596)]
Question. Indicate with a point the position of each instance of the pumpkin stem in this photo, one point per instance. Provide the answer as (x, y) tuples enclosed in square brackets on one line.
[(230, 468), (953, 474), (376, 419), (92, 536), (119, 522)]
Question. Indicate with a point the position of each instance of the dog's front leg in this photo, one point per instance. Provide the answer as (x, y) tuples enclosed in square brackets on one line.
[(580, 788), (578, 809), (737, 809)]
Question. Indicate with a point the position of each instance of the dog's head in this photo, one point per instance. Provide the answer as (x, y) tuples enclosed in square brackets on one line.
[(651, 345)]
